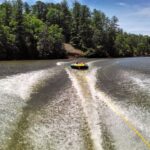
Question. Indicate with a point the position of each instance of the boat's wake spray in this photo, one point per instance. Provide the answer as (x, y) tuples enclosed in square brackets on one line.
[(81, 81), (85, 84)]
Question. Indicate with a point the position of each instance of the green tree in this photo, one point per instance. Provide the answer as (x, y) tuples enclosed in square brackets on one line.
[(76, 14), (66, 20), (30, 32), (50, 43), (27, 8), (7, 10), (34, 27), (40, 10), (20, 30), (99, 38), (121, 45), (85, 31), (81, 32), (53, 16), (111, 36)]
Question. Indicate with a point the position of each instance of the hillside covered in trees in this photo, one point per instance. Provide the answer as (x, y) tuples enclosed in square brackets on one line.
[(39, 31)]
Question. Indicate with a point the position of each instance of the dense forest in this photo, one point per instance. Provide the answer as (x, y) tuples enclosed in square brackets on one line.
[(39, 31)]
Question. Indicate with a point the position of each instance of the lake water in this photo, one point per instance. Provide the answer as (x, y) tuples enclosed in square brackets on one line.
[(45, 105)]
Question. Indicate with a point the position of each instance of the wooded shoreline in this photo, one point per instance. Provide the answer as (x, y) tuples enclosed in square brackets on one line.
[(38, 32)]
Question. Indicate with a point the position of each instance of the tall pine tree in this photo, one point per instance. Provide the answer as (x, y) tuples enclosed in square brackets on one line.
[(20, 30)]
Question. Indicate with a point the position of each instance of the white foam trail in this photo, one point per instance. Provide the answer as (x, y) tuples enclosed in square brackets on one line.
[(138, 79), (22, 84), (139, 116), (141, 82), (90, 109), (132, 122), (62, 63), (129, 116), (58, 124), (91, 76), (14, 93), (96, 93)]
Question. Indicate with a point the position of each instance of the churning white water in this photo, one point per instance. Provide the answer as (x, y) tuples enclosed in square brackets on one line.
[(61, 63), (139, 80), (129, 119), (74, 111), (58, 125), (89, 106), (15, 91)]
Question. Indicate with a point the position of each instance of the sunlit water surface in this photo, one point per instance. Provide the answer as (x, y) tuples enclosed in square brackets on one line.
[(47, 105)]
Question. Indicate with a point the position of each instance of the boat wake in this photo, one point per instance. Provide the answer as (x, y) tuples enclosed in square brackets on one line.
[(15, 91), (75, 117), (89, 104), (91, 99)]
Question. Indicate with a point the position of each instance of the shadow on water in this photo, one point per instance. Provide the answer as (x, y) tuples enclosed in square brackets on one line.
[(39, 98)]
